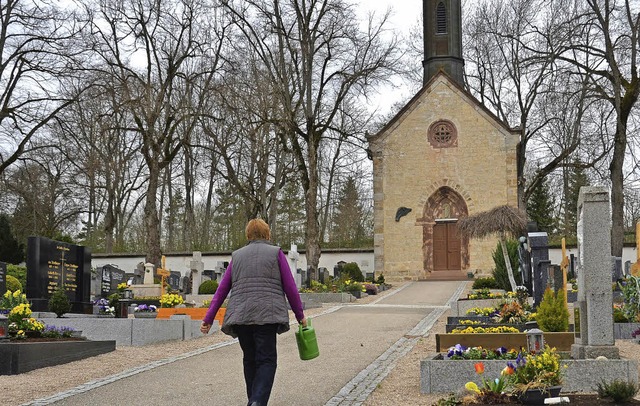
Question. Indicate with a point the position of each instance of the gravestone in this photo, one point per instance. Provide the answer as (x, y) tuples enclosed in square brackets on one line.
[(148, 274), (138, 274), (594, 318), (293, 256), (616, 275), (627, 267), (524, 263), (111, 277), (174, 280), (539, 246), (556, 278), (52, 264), (197, 267), (186, 285), (210, 274), (3, 278)]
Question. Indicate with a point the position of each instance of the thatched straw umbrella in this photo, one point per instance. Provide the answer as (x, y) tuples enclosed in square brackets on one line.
[(502, 220)]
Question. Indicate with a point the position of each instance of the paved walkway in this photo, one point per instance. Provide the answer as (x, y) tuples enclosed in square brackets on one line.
[(359, 345)]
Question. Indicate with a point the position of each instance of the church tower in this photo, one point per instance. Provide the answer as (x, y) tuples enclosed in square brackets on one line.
[(442, 25)]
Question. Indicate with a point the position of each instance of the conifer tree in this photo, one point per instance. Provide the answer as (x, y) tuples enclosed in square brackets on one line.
[(348, 229), (540, 207), (11, 251)]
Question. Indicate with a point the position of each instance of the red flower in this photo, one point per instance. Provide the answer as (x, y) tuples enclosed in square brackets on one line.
[(479, 367)]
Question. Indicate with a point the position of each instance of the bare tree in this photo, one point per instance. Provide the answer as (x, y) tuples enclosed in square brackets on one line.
[(157, 52), (512, 69), (316, 54), (601, 41), (36, 45)]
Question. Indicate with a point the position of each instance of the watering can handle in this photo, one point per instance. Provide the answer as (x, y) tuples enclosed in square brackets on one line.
[(308, 325)]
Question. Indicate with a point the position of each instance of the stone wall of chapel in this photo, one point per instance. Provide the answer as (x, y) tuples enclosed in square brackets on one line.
[(482, 169)]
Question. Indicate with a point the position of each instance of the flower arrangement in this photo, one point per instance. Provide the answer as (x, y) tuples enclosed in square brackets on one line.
[(20, 312), (482, 311), (104, 307), (512, 312), (352, 286), (469, 322), (145, 308), (492, 391), (171, 300), (12, 299), (482, 330), (122, 287), (57, 332), (458, 352), (25, 325), (536, 371)]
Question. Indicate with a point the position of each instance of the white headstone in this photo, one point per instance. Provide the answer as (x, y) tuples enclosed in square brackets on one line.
[(197, 268), (148, 273)]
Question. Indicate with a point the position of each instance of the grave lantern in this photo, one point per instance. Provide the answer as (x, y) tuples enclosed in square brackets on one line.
[(535, 340), (4, 327), (127, 294)]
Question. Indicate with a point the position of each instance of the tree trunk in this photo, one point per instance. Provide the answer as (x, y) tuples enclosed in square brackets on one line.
[(617, 192), (151, 221), (312, 233), (507, 263)]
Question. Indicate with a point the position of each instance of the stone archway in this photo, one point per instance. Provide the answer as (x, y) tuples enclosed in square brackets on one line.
[(445, 253)]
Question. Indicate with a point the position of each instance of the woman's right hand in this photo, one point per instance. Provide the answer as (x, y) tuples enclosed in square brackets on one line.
[(204, 328)]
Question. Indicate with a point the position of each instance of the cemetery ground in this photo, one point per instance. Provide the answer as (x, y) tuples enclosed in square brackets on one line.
[(400, 387)]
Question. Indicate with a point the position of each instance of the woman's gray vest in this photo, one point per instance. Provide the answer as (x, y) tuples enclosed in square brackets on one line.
[(256, 295)]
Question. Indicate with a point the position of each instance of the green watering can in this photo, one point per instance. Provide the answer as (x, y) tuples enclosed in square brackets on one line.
[(307, 342)]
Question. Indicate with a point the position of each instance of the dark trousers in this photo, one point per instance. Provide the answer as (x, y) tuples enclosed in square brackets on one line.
[(260, 359)]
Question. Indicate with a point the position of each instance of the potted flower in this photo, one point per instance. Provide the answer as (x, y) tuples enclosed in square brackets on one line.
[(145, 311), (12, 299), (104, 308), (536, 376), (491, 391), (355, 288), (171, 300)]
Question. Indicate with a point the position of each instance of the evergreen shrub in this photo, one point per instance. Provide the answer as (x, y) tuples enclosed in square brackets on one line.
[(13, 284), (352, 271), (485, 283), (500, 272), (552, 315), (59, 303), (20, 273), (208, 287)]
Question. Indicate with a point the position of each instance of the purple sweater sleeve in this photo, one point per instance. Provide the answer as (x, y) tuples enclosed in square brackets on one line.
[(289, 286), (219, 296)]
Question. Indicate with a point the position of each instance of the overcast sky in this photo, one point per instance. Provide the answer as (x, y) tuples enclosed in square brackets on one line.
[(405, 14)]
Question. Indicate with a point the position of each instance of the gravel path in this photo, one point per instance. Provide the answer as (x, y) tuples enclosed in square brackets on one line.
[(399, 387)]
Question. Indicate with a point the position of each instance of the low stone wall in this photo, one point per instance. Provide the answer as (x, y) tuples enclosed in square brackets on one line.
[(438, 375), (338, 297), (460, 307), (624, 330), (133, 332), (17, 358)]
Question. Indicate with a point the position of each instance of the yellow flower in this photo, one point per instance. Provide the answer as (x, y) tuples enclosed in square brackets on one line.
[(471, 386)]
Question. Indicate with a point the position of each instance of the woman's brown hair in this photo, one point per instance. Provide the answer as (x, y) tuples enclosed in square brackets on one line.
[(257, 229)]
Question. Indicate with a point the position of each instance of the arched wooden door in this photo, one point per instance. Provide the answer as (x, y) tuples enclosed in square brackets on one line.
[(446, 247)]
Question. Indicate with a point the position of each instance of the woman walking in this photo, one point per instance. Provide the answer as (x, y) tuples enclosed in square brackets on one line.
[(258, 278)]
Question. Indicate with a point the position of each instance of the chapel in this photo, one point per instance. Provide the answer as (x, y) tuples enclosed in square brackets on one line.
[(442, 157)]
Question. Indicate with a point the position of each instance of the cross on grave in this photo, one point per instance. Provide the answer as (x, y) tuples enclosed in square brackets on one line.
[(163, 273), (564, 266), (635, 268)]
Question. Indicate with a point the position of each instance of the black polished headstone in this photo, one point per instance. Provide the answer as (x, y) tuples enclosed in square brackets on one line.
[(210, 273), (174, 280), (3, 278), (539, 246), (52, 264), (186, 285), (111, 277)]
